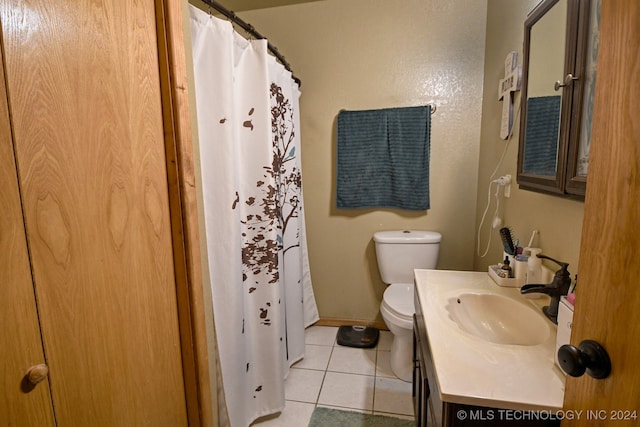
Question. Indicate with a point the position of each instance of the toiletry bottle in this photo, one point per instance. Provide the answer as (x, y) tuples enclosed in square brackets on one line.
[(534, 267), (506, 268)]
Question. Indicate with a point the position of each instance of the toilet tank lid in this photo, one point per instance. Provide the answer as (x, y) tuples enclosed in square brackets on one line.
[(407, 236)]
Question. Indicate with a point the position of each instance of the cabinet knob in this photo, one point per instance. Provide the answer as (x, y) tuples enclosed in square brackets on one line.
[(37, 373), (589, 357)]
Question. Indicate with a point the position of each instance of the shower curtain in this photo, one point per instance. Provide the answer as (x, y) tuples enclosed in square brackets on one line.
[(249, 138)]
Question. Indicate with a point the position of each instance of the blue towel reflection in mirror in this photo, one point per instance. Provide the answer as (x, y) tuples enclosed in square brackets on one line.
[(541, 135)]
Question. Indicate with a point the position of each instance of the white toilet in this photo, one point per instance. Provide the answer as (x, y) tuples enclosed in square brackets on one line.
[(398, 254)]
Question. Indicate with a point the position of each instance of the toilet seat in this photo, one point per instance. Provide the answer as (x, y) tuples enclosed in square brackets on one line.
[(398, 299)]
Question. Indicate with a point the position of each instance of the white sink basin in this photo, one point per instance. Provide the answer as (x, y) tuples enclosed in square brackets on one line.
[(498, 319), (490, 348)]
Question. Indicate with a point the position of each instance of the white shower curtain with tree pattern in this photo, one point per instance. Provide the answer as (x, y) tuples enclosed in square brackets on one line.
[(248, 126)]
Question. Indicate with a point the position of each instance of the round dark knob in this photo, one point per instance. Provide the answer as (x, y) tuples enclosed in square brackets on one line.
[(589, 357)]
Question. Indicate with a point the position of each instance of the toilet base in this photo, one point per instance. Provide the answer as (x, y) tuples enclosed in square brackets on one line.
[(401, 327), (402, 356)]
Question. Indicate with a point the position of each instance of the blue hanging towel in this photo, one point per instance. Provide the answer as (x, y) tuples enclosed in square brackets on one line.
[(383, 158)]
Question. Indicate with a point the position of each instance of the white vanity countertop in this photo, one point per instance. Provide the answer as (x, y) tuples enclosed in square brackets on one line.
[(473, 371)]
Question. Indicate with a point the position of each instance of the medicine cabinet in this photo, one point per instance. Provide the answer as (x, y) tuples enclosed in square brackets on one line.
[(558, 86)]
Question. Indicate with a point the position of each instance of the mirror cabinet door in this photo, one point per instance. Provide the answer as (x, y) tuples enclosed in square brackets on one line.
[(587, 55), (545, 64), (550, 158)]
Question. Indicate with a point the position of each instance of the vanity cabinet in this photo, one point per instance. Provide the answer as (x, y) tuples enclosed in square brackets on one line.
[(430, 410), (422, 399)]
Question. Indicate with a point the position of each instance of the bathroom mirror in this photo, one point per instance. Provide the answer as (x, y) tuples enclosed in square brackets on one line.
[(558, 79)]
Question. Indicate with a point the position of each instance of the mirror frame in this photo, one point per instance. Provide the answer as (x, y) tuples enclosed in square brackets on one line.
[(566, 182)]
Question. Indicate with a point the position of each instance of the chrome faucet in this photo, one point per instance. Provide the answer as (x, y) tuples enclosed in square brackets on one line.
[(557, 288)]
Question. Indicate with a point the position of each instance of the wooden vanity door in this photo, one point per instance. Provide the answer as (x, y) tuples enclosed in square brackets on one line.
[(84, 95), (608, 303), (20, 341)]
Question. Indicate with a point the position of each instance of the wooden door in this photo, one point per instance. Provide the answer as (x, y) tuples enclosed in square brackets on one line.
[(608, 302), (84, 97), (20, 341)]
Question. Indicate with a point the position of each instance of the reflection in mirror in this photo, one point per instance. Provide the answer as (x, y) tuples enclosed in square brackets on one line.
[(589, 89), (546, 65)]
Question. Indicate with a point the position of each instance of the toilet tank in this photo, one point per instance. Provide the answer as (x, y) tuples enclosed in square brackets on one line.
[(400, 252)]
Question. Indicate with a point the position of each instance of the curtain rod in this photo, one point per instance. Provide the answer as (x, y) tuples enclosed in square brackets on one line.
[(249, 29)]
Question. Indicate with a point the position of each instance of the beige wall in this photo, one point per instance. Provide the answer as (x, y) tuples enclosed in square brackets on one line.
[(363, 54), (558, 220)]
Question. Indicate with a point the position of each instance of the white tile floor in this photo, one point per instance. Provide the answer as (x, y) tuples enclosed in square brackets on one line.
[(346, 378)]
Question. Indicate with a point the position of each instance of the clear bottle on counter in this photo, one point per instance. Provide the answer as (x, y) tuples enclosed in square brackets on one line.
[(534, 267)]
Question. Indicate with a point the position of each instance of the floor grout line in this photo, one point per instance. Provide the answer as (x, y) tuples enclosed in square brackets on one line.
[(376, 374)]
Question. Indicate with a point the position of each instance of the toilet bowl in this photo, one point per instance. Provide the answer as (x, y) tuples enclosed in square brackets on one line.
[(398, 254)]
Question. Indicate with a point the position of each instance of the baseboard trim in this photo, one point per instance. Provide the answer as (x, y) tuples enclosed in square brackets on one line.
[(328, 321)]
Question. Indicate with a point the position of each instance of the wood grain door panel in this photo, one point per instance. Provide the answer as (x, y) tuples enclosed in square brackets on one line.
[(608, 298), (84, 93), (20, 340)]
